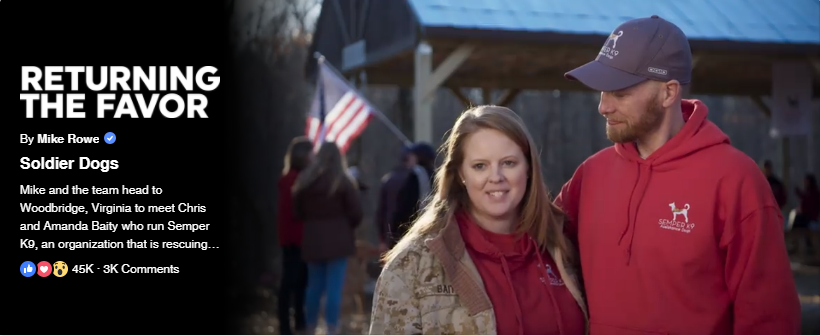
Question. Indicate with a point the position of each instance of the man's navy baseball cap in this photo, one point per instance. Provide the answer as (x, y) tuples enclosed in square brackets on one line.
[(636, 51), (424, 151)]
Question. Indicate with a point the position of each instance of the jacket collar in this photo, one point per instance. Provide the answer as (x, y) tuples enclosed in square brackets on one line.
[(448, 246)]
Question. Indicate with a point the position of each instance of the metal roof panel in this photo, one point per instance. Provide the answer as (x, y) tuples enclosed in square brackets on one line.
[(772, 21)]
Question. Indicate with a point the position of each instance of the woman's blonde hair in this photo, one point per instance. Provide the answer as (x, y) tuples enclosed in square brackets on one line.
[(539, 216), (329, 161)]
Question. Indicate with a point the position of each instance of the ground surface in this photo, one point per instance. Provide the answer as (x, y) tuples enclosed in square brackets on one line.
[(263, 320)]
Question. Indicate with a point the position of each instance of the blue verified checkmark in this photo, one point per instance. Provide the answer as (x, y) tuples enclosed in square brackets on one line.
[(110, 138)]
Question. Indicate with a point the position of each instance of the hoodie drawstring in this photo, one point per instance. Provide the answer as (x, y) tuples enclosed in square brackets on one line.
[(638, 192), (549, 290), (518, 315)]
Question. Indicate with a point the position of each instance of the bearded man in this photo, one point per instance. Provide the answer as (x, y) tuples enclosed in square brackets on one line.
[(678, 231)]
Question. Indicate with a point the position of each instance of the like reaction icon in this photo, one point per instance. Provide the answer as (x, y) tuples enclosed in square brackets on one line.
[(27, 269), (44, 269)]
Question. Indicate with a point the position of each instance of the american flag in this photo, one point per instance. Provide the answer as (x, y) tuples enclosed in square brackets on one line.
[(338, 113)]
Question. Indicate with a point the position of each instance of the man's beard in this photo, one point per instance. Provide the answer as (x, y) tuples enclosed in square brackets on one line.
[(647, 123)]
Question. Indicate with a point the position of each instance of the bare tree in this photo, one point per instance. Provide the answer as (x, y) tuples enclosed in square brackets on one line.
[(273, 24), (271, 40)]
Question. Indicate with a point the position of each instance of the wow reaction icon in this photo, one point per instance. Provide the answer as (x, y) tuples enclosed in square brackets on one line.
[(60, 269)]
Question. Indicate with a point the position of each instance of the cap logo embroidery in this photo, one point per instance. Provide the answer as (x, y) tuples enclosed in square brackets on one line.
[(662, 72), (614, 38), (608, 52)]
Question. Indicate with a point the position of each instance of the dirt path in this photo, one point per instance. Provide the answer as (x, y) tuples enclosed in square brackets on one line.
[(807, 280), (264, 321)]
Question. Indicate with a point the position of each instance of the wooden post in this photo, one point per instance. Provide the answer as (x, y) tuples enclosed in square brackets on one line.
[(785, 143), (353, 154), (359, 143), (695, 60), (812, 150), (422, 106), (811, 147), (787, 158), (427, 81), (447, 67)]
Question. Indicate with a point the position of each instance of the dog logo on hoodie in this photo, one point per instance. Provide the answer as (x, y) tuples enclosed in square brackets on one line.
[(676, 212), (674, 224), (554, 279)]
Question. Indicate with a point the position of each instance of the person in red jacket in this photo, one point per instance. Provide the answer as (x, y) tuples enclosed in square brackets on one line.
[(294, 270), (678, 231)]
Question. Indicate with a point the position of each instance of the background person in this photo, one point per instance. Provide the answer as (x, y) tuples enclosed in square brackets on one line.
[(327, 199), (417, 187), (391, 184), (805, 220), (778, 189), (294, 270)]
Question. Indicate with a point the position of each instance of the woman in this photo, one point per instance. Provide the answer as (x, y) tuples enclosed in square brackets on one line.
[(326, 198), (805, 218), (294, 270), (487, 255)]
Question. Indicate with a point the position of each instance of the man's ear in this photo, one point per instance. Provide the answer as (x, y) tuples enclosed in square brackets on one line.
[(671, 93)]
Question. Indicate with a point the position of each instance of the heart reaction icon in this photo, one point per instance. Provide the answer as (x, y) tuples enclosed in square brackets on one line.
[(44, 269)]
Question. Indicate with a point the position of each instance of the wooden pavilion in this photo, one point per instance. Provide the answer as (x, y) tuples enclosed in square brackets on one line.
[(529, 45)]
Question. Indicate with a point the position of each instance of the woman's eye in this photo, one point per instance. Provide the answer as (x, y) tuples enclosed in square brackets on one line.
[(509, 163), (478, 166)]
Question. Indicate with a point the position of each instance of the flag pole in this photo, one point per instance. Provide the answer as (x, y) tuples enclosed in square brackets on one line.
[(378, 113), (320, 87)]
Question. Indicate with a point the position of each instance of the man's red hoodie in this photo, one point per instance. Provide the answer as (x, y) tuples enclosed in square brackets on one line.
[(686, 241)]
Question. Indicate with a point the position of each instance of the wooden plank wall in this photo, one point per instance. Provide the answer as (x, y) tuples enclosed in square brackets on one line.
[(568, 129)]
